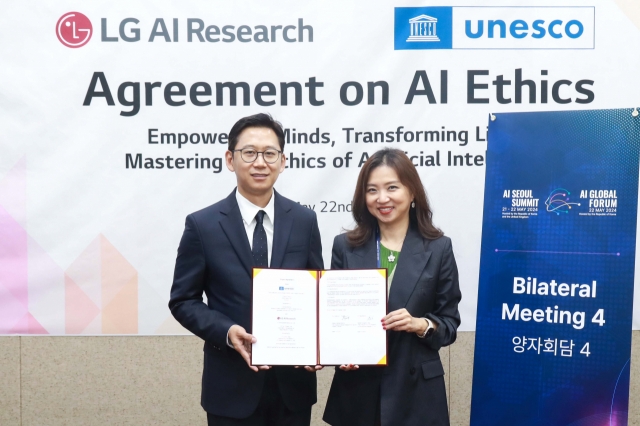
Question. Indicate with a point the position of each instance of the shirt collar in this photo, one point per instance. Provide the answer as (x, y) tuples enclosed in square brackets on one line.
[(248, 210)]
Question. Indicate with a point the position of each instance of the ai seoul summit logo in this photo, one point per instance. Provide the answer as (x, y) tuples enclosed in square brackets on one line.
[(74, 29), (558, 201)]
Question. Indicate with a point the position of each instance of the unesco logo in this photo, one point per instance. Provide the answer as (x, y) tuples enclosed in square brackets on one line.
[(74, 29), (423, 28), (494, 27)]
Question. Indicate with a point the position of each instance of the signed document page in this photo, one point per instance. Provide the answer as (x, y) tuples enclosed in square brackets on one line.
[(351, 305), (284, 317)]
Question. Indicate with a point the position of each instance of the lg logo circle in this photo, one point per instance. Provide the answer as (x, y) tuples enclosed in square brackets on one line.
[(74, 29)]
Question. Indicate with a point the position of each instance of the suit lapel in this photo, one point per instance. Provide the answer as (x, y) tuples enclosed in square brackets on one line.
[(412, 261), (282, 224), (363, 257), (233, 228)]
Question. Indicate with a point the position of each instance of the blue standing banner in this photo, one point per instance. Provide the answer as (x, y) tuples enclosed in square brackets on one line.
[(555, 302)]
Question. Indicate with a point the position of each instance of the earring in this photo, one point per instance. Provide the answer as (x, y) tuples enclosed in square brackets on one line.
[(413, 204)]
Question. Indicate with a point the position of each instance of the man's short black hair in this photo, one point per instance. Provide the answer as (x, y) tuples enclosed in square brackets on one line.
[(257, 120)]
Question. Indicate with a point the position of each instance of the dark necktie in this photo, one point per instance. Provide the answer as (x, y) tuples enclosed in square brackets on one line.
[(260, 249)]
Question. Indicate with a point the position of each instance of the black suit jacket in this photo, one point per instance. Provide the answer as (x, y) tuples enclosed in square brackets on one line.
[(410, 390), (214, 257)]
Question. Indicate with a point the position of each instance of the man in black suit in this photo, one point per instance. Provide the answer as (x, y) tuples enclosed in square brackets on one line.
[(253, 226)]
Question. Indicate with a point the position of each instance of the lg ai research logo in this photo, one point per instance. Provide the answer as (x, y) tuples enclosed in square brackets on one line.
[(513, 27), (74, 29)]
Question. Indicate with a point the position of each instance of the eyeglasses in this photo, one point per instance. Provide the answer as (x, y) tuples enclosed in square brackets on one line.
[(249, 155)]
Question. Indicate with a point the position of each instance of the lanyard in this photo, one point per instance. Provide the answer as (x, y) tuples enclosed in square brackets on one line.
[(378, 245)]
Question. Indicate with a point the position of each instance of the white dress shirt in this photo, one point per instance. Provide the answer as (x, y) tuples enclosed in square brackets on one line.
[(248, 210)]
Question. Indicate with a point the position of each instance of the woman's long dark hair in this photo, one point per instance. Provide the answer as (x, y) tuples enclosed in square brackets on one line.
[(420, 216)]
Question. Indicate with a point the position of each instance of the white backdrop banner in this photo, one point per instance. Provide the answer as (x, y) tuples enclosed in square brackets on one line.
[(114, 120)]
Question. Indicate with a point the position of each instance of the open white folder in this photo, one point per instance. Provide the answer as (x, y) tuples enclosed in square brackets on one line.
[(302, 317)]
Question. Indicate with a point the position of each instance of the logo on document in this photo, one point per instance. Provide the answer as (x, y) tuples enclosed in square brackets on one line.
[(74, 29), (422, 28)]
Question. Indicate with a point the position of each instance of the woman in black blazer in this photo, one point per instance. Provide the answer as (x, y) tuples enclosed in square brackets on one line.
[(394, 230)]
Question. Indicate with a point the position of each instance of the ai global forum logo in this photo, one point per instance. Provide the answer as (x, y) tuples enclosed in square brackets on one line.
[(74, 29), (558, 201)]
